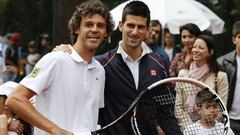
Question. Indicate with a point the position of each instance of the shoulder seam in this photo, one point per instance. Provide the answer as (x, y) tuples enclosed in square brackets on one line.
[(109, 59)]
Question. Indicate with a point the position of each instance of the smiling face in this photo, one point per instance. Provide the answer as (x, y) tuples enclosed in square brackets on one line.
[(187, 39), (200, 52), (92, 31), (134, 31)]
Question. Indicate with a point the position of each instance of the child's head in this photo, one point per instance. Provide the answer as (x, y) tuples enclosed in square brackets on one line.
[(207, 107), (236, 36), (32, 46), (45, 40)]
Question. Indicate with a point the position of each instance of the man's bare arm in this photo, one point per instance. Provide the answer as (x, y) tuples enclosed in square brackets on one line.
[(19, 103)]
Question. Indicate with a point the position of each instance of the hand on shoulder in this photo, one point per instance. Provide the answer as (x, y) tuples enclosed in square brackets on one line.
[(63, 48)]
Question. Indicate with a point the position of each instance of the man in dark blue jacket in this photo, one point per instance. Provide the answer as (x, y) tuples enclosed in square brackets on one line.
[(131, 68)]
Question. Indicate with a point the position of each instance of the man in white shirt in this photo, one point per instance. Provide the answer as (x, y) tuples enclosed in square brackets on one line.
[(67, 103)]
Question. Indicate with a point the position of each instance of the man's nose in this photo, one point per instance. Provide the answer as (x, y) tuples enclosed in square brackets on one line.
[(135, 30), (94, 28)]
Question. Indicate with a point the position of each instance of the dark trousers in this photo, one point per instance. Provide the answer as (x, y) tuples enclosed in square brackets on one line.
[(235, 126)]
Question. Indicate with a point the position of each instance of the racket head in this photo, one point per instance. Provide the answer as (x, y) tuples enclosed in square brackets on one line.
[(162, 94)]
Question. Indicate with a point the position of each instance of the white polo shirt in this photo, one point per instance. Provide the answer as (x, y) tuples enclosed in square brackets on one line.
[(69, 91)]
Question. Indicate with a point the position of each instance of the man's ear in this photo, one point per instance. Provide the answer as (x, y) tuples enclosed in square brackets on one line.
[(120, 25)]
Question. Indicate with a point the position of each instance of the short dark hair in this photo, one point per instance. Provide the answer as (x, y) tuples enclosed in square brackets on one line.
[(202, 97), (155, 23), (90, 7), (137, 8), (166, 30), (192, 28), (236, 28)]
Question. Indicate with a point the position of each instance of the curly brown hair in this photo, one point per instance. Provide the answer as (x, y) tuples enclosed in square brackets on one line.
[(90, 7)]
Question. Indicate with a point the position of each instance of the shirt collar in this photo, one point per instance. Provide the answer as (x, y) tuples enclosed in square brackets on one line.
[(125, 56), (77, 58)]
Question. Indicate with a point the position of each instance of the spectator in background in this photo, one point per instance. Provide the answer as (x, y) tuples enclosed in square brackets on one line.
[(11, 51), (45, 44), (32, 57), (153, 40), (168, 44), (2, 66), (11, 58), (207, 109), (204, 68), (5, 44), (231, 66), (188, 33)]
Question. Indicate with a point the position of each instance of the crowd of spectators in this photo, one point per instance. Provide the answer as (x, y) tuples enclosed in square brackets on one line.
[(18, 59)]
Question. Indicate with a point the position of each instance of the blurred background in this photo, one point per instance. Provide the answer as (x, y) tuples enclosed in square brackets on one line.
[(36, 18)]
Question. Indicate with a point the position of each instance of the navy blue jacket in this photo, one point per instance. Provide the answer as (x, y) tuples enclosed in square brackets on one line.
[(161, 52), (120, 92)]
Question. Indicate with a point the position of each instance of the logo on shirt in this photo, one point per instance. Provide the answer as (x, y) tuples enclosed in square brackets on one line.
[(153, 72), (35, 72)]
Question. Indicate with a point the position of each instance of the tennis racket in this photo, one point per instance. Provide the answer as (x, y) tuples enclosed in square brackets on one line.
[(192, 116)]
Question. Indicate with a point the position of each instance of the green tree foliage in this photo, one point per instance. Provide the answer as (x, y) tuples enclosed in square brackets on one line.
[(2, 7), (29, 17), (229, 11), (32, 17)]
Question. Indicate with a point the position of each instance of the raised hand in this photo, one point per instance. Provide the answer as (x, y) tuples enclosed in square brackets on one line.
[(63, 47)]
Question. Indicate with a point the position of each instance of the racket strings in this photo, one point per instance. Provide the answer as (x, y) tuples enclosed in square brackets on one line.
[(164, 99), (197, 118), (154, 105)]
